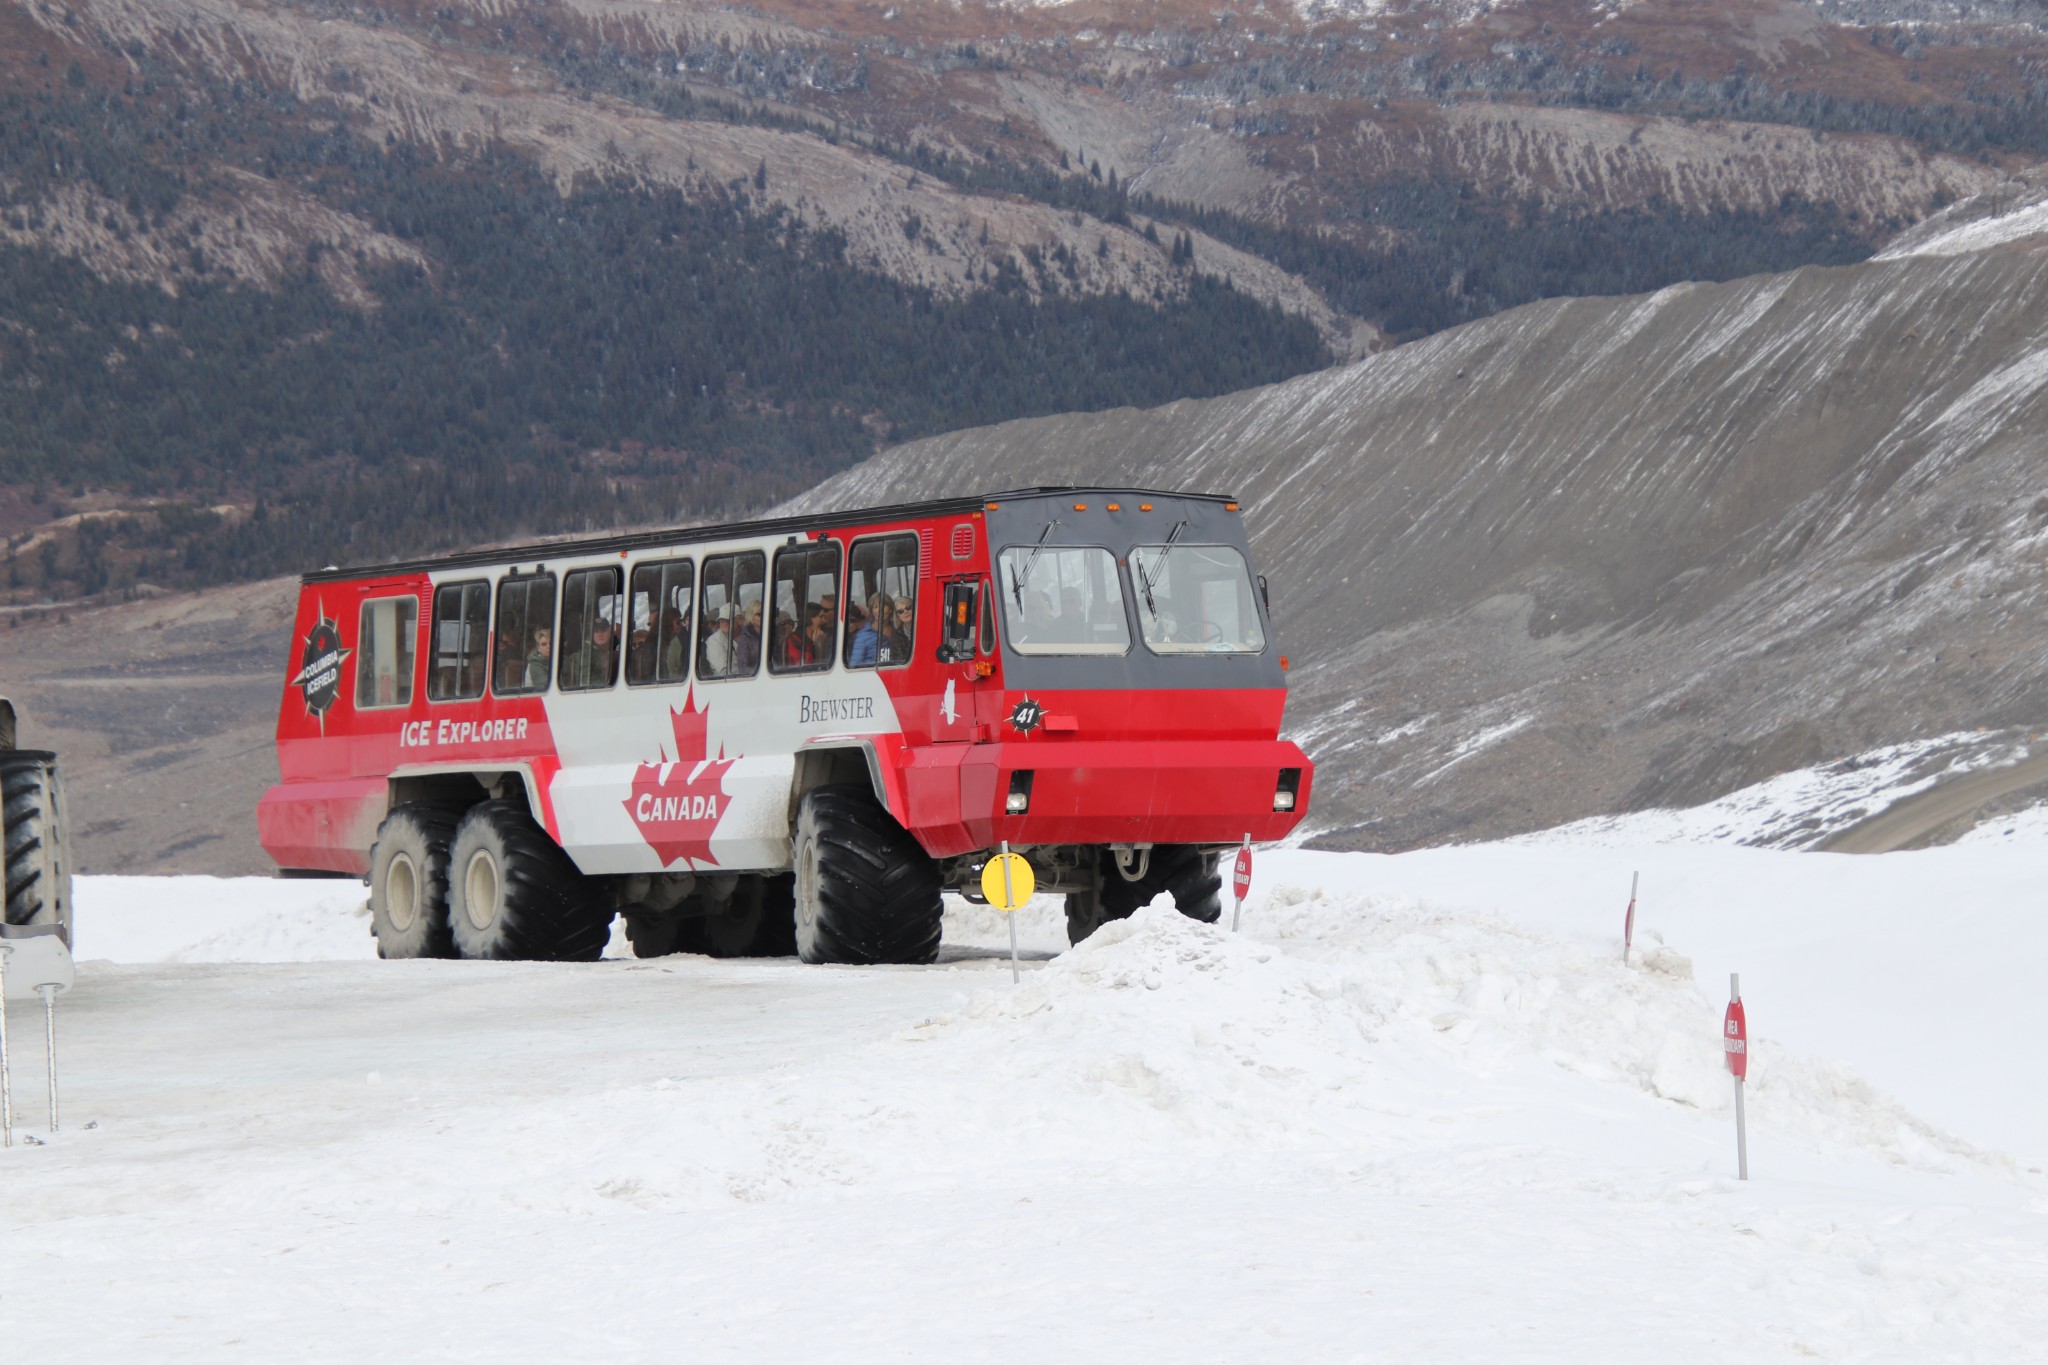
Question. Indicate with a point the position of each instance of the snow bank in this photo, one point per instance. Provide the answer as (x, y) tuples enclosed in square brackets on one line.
[(1418, 1109), (221, 919)]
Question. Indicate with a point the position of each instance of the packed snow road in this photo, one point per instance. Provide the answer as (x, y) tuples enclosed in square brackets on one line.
[(1417, 1110)]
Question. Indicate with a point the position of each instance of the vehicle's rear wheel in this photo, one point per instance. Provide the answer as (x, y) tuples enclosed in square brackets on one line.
[(1084, 914), (409, 883), (652, 934), (1184, 871), (516, 896), (759, 920), (35, 858), (866, 891)]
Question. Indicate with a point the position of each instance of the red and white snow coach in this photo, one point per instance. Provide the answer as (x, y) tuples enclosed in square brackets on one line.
[(787, 735)]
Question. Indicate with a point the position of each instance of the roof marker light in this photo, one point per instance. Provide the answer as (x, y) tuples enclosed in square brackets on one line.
[(1144, 507), (1080, 507), (991, 506), (1116, 507), (1230, 507)]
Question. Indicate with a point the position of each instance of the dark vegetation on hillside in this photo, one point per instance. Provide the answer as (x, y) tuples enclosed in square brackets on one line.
[(1456, 253), (715, 355)]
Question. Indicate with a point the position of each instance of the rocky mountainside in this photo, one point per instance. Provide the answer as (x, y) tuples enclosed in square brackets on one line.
[(1603, 554), (430, 273), (1584, 557)]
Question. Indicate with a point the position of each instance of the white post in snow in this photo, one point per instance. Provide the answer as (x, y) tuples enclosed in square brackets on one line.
[(6, 1096), (1010, 913), (1628, 923), (49, 994)]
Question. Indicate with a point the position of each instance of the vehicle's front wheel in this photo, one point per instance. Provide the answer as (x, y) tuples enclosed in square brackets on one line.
[(516, 896), (35, 858), (866, 891), (1184, 871), (409, 883)]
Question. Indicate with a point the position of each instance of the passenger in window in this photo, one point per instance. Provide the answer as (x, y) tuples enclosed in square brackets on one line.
[(677, 627), (746, 642), (1072, 626), (640, 656), (782, 641), (511, 658), (540, 658), (1038, 619), (592, 664), (817, 638), (903, 627), (866, 649), (718, 646)]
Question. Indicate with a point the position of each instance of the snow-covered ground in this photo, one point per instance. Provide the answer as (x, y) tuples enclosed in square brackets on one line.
[(1416, 1110)]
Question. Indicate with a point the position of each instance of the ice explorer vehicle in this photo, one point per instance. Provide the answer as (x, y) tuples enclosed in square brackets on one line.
[(787, 735)]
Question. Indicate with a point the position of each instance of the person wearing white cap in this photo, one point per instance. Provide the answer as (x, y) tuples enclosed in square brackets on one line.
[(717, 659)]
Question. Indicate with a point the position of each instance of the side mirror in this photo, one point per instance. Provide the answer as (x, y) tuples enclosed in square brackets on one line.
[(1265, 596), (956, 640)]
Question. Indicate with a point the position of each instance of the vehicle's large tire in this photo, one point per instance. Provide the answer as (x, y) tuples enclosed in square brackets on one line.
[(651, 933), (1084, 914), (35, 841), (777, 936), (1191, 876), (514, 895), (866, 892), (409, 883)]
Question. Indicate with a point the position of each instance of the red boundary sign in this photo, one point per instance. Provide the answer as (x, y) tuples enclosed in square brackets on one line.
[(1735, 1039), (1241, 875)]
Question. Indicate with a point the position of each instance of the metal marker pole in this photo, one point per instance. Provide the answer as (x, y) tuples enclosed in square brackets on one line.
[(6, 1097), (1628, 924), (1741, 1123), (1239, 909), (50, 1047), (1010, 913)]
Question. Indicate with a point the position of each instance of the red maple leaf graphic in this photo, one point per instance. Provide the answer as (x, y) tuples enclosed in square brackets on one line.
[(677, 805)]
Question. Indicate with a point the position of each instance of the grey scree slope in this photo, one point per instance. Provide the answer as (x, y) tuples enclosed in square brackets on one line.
[(1605, 554), (1681, 541)]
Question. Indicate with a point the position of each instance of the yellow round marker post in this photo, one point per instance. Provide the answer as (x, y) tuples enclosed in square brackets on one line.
[(1006, 883)]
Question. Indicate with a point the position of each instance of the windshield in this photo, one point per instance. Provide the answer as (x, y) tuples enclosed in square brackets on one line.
[(1195, 599), (1062, 600)]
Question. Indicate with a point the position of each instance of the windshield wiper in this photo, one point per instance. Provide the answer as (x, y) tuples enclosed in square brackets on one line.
[(1145, 579), (1017, 579)]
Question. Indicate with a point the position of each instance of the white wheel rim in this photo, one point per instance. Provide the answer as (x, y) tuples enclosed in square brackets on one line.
[(401, 892), (480, 890), (807, 897)]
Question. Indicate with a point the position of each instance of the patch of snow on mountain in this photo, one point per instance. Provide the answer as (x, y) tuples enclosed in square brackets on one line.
[(1792, 810), (2014, 225)]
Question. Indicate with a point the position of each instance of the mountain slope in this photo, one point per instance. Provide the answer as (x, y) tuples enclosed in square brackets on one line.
[(1599, 554)]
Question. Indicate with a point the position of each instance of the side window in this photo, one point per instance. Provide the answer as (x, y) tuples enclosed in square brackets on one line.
[(988, 619), (523, 654), (592, 610), (658, 623), (804, 635), (729, 615), (385, 644), (881, 602), (461, 641)]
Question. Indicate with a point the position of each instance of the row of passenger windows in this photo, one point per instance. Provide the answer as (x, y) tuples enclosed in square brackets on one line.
[(732, 618)]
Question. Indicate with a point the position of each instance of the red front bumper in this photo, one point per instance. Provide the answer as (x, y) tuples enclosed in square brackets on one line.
[(1105, 792)]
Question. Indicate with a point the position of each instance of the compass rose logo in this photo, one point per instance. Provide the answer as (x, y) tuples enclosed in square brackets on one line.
[(319, 675)]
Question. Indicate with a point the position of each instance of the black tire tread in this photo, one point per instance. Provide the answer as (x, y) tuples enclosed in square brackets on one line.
[(34, 880), (436, 832), (878, 890), (1193, 878), (551, 913)]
